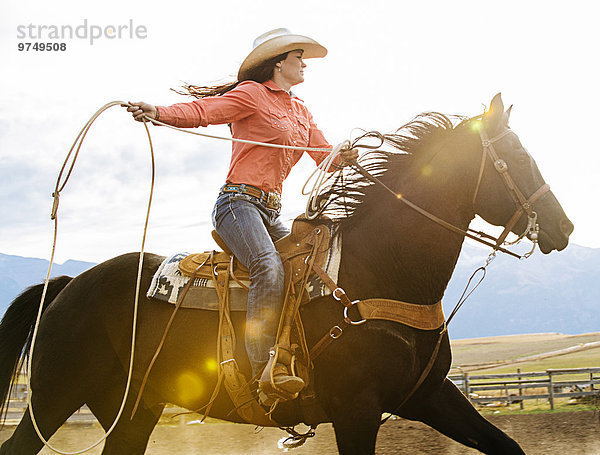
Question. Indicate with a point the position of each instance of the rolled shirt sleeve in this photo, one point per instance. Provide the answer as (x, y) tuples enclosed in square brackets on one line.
[(257, 112), (234, 105)]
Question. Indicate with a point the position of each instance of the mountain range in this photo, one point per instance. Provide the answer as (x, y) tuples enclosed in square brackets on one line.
[(558, 292), (545, 293), (18, 273)]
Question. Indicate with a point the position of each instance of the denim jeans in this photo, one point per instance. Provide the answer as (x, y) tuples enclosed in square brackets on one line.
[(249, 230)]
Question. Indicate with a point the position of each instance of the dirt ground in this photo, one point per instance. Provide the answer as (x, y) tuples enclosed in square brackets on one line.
[(538, 434), (547, 434)]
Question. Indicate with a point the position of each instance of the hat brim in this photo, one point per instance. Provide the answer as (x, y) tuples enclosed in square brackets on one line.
[(280, 45)]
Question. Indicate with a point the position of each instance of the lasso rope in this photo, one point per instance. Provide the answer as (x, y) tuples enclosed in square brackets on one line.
[(321, 172), (60, 185), (233, 139), (322, 175)]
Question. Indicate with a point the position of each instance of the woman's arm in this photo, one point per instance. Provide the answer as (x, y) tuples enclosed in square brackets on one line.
[(234, 105)]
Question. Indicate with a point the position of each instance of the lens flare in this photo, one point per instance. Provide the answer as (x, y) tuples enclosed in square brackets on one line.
[(476, 126), (190, 387), (399, 196), (426, 171), (210, 365)]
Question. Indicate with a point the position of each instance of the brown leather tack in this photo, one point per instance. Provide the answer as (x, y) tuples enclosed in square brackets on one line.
[(424, 317), (220, 260), (304, 246), (293, 248)]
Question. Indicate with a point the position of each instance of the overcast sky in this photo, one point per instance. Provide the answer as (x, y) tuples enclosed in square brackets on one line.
[(387, 62)]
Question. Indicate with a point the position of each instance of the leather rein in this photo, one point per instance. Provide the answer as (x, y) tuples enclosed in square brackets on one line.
[(522, 204)]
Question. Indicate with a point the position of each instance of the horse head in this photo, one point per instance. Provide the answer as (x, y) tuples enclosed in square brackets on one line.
[(511, 191)]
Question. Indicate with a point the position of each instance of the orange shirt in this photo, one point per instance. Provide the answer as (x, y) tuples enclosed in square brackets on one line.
[(257, 112)]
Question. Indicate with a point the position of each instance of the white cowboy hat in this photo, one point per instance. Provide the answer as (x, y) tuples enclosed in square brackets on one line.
[(276, 42)]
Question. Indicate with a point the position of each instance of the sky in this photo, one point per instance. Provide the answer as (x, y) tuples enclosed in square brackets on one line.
[(387, 62)]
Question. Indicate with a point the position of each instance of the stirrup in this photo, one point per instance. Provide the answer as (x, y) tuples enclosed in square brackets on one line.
[(277, 384)]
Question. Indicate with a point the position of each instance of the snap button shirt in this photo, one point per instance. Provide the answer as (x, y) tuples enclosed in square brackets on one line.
[(256, 112)]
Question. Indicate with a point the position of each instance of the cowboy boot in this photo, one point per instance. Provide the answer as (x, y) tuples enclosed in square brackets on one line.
[(276, 382)]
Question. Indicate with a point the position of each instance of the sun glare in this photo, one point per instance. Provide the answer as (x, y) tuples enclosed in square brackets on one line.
[(476, 126), (211, 365), (189, 387)]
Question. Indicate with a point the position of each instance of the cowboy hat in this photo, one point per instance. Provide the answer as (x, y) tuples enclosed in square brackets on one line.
[(276, 42)]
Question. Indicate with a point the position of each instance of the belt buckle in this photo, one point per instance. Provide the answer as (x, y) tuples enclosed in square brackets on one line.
[(273, 201)]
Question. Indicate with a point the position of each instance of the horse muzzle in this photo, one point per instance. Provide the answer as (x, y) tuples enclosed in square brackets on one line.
[(555, 228)]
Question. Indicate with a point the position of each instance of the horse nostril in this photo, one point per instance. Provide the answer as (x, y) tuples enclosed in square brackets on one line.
[(566, 227)]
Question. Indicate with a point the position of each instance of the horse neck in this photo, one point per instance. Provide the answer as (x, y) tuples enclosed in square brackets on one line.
[(391, 251)]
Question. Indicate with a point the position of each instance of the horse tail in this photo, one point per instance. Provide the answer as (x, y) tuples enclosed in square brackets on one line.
[(16, 331)]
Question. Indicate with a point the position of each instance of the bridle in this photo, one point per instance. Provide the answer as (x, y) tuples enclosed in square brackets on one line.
[(522, 204)]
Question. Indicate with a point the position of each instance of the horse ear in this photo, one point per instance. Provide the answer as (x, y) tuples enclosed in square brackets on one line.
[(506, 115), (495, 113)]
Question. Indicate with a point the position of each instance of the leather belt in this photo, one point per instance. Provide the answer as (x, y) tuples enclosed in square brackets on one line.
[(271, 200)]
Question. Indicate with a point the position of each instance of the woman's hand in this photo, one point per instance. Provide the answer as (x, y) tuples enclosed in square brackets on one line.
[(348, 156), (139, 110)]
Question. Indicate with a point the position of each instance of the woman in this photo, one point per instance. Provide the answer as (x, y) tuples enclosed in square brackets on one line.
[(259, 106)]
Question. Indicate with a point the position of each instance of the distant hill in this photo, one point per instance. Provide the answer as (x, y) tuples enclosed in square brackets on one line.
[(559, 292), (18, 273), (545, 293)]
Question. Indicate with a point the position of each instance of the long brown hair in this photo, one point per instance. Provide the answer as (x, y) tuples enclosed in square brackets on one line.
[(260, 73)]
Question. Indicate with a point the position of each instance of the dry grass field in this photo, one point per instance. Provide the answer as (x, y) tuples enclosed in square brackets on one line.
[(532, 352)]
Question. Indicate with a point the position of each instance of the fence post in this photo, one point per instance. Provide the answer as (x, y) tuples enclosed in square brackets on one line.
[(467, 388), (550, 390), (520, 388)]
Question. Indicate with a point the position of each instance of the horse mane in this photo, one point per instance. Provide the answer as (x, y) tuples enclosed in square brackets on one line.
[(422, 136)]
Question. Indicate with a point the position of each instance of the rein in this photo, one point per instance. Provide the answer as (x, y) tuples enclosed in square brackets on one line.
[(522, 204), (67, 169)]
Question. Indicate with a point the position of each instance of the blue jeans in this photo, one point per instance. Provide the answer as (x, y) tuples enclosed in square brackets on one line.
[(249, 230)]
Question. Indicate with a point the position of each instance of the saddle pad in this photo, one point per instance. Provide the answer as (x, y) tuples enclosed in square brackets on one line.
[(168, 283)]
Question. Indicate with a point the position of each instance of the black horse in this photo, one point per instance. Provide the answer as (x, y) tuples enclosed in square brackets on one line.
[(388, 250)]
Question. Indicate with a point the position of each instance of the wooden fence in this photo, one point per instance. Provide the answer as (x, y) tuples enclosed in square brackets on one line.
[(517, 387), (17, 405), (480, 389)]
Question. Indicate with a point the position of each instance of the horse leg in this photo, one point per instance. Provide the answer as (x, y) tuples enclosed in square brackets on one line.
[(130, 436), (448, 411), (356, 420), (49, 415)]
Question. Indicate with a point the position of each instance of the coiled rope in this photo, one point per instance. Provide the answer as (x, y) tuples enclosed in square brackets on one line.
[(61, 183)]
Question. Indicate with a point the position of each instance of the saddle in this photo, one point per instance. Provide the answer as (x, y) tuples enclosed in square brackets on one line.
[(303, 249), (303, 253), (293, 249)]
